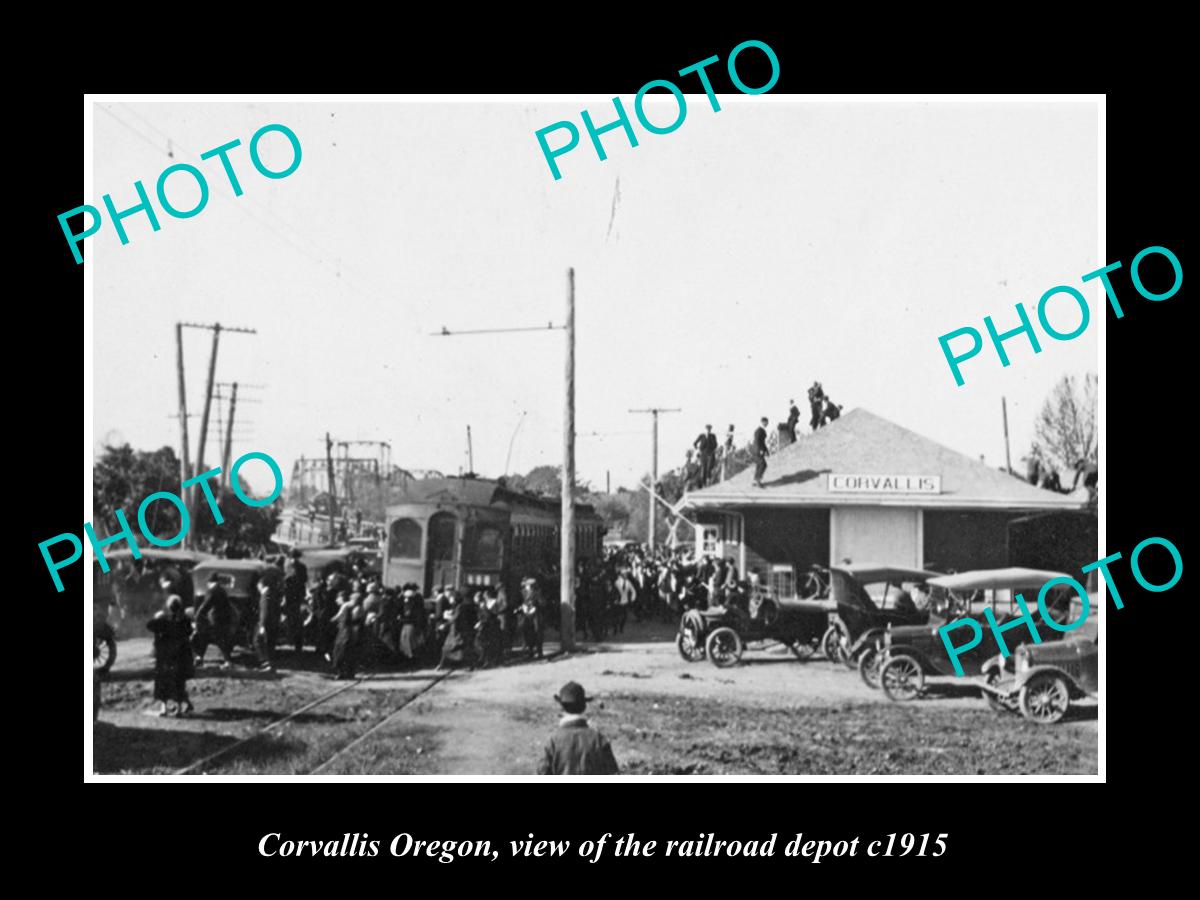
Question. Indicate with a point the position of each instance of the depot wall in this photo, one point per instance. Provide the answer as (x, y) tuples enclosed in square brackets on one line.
[(967, 539), (803, 536)]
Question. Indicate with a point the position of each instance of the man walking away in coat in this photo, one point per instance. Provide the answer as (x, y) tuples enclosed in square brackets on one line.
[(214, 623), (575, 748), (760, 452)]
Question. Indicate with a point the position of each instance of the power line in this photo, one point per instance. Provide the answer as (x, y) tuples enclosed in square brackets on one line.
[(242, 203)]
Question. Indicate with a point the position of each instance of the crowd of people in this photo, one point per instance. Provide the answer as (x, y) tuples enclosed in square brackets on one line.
[(709, 461), (353, 623)]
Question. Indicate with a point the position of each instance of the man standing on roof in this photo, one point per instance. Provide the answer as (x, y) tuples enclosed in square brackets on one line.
[(793, 418), (831, 412), (706, 444), (727, 451), (760, 452), (816, 401)]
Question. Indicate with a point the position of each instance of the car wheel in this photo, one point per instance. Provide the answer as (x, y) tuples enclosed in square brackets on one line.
[(724, 647), (690, 640), (868, 666), (104, 653), (832, 644), (1044, 698), (901, 678)]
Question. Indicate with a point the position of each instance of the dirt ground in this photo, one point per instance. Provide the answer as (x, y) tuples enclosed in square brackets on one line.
[(769, 715)]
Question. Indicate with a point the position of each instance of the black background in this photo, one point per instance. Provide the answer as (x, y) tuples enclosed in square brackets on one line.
[(993, 828)]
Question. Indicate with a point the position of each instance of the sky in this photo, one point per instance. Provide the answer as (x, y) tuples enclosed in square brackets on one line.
[(720, 269)]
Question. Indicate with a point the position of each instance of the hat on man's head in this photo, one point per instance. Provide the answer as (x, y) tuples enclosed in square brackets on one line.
[(572, 694)]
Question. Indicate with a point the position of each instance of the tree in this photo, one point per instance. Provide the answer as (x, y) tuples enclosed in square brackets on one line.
[(1065, 430), (544, 481), (123, 477)]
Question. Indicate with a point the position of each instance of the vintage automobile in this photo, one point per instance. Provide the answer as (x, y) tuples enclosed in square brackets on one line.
[(323, 561), (240, 578), (134, 583), (1041, 680), (721, 633), (104, 634), (868, 598), (913, 652)]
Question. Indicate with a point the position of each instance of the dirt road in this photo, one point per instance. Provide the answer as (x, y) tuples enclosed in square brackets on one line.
[(769, 715)]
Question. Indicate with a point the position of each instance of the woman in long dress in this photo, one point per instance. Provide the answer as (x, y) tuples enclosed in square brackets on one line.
[(348, 621), (173, 663)]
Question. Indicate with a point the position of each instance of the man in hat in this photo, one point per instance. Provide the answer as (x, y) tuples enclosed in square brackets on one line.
[(267, 631), (575, 748), (706, 445), (727, 451), (214, 623), (295, 588), (760, 451), (793, 418), (816, 400)]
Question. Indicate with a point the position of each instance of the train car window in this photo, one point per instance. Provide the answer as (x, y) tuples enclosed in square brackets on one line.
[(483, 548), (442, 536), (404, 539)]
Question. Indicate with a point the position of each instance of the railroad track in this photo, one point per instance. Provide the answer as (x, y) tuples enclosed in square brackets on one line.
[(316, 770), (435, 680), (201, 763)]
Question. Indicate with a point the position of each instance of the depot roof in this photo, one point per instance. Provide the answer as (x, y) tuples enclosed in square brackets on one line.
[(861, 443)]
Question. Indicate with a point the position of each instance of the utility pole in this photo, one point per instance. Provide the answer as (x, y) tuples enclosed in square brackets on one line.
[(332, 486), (236, 396), (216, 328), (185, 463), (567, 565), (654, 412), (1007, 454), (228, 435), (470, 453)]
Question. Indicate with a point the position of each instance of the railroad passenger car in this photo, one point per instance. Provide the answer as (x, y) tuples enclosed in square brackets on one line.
[(472, 533)]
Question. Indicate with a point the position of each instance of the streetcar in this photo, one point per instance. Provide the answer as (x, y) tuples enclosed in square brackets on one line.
[(474, 533)]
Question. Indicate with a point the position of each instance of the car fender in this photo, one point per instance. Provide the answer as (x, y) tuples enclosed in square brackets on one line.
[(866, 639), (894, 650), (694, 619), (1072, 685)]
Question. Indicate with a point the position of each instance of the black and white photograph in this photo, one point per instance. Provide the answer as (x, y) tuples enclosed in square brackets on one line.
[(518, 436)]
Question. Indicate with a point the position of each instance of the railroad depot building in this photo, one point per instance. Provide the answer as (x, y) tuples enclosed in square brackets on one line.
[(867, 490)]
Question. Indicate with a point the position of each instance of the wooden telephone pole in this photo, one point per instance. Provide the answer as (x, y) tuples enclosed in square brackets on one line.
[(184, 461), (332, 483), (566, 584), (229, 433), (654, 412), (1007, 453), (567, 532)]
